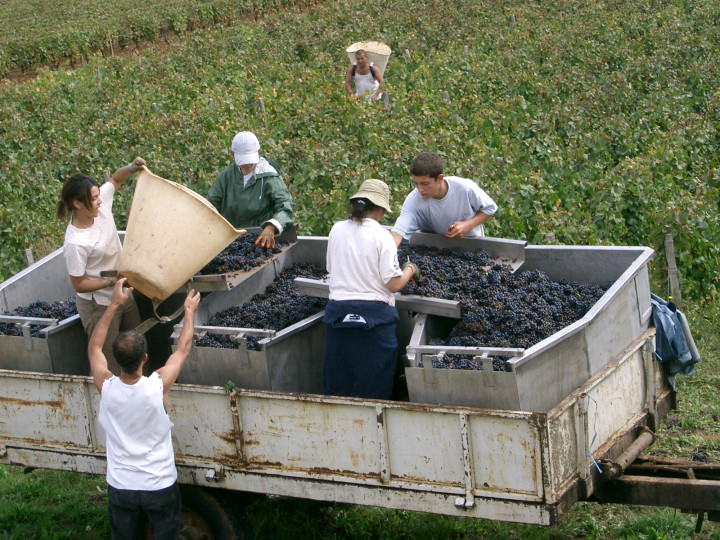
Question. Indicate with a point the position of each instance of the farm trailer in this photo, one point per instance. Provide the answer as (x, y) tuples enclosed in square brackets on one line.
[(512, 464)]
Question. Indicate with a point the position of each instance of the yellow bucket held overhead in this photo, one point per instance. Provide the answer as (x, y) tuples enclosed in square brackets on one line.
[(377, 52), (172, 232)]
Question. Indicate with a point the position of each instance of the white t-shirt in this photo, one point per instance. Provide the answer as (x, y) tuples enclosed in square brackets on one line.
[(463, 200), (138, 436), (89, 251), (361, 259)]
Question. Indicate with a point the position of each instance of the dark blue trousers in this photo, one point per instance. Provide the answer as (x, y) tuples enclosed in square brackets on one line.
[(361, 349)]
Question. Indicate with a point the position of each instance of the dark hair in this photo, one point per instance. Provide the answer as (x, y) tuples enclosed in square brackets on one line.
[(427, 164), (359, 208), (76, 188), (360, 51), (129, 349)]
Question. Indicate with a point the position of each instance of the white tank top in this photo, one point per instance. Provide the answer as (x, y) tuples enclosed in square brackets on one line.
[(137, 434), (365, 83)]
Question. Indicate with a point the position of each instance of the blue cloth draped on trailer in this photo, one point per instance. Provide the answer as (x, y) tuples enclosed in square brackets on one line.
[(674, 344)]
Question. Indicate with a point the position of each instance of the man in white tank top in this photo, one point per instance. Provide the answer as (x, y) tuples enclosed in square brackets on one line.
[(141, 473), (367, 77)]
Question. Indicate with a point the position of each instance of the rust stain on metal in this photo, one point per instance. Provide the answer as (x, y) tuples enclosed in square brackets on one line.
[(228, 437), (538, 420), (354, 459), (355, 474), (26, 403), (265, 464)]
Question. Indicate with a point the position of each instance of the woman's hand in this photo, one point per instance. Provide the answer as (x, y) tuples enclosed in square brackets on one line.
[(137, 164)]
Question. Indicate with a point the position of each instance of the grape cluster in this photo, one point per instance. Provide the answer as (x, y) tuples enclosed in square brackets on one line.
[(241, 255), (44, 310), (278, 307), (499, 308)]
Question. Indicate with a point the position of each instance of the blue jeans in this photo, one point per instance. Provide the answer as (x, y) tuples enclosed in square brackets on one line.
[(127, 507)]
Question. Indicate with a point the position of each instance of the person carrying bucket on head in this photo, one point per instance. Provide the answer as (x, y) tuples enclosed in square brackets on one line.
[(367, 77)]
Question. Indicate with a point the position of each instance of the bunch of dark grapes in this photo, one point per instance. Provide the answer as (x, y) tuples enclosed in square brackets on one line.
[(280, 306), (43, 310), (499, 308), (241, 255)]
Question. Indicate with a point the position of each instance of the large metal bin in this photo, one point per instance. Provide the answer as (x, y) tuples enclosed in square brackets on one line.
[(505, 465), (496, 463), (540, 376), (229, 280), (61, 346), (289, 360)]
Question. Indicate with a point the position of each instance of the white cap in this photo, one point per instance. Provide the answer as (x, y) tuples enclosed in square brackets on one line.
[(246, 147)]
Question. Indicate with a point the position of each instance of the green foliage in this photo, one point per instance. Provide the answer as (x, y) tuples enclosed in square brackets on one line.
[(42, 34), (590, 123), (692, 430), (63, 505)]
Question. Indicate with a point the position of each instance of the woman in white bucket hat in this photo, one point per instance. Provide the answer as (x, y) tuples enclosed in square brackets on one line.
[(361, 347), (251, 192)]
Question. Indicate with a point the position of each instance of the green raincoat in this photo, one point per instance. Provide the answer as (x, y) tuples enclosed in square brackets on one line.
[(265, 199)]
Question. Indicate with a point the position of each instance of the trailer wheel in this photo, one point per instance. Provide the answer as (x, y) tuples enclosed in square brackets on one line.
[(206, 515)]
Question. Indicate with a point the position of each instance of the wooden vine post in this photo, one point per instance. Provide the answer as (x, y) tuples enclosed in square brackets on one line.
[(29, 258), (673, 280), (386, 100)]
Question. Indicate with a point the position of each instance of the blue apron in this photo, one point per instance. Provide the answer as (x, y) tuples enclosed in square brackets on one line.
[(361, 349)]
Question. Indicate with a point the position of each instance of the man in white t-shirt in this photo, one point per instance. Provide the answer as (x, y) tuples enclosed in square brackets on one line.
[(141, 473), (450, 205)]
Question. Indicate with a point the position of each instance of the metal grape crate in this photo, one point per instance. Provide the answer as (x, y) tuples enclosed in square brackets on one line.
[(539, 377), (289, 360), (60, 345), (229, 280), (499, 251)]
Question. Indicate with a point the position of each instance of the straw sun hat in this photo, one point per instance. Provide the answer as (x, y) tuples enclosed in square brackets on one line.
[(376, 191)]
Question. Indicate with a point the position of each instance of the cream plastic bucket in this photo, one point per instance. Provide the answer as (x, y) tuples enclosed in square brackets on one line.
[(172, 232), (377, 52)]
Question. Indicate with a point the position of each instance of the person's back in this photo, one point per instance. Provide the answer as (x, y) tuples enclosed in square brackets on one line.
[(139, 443), (141, 474)]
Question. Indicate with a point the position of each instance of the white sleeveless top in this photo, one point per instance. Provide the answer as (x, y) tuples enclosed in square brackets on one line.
[(365, 83), (138, 440)]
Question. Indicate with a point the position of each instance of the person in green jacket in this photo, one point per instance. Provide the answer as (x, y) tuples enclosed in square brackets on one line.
[(251, 192)]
